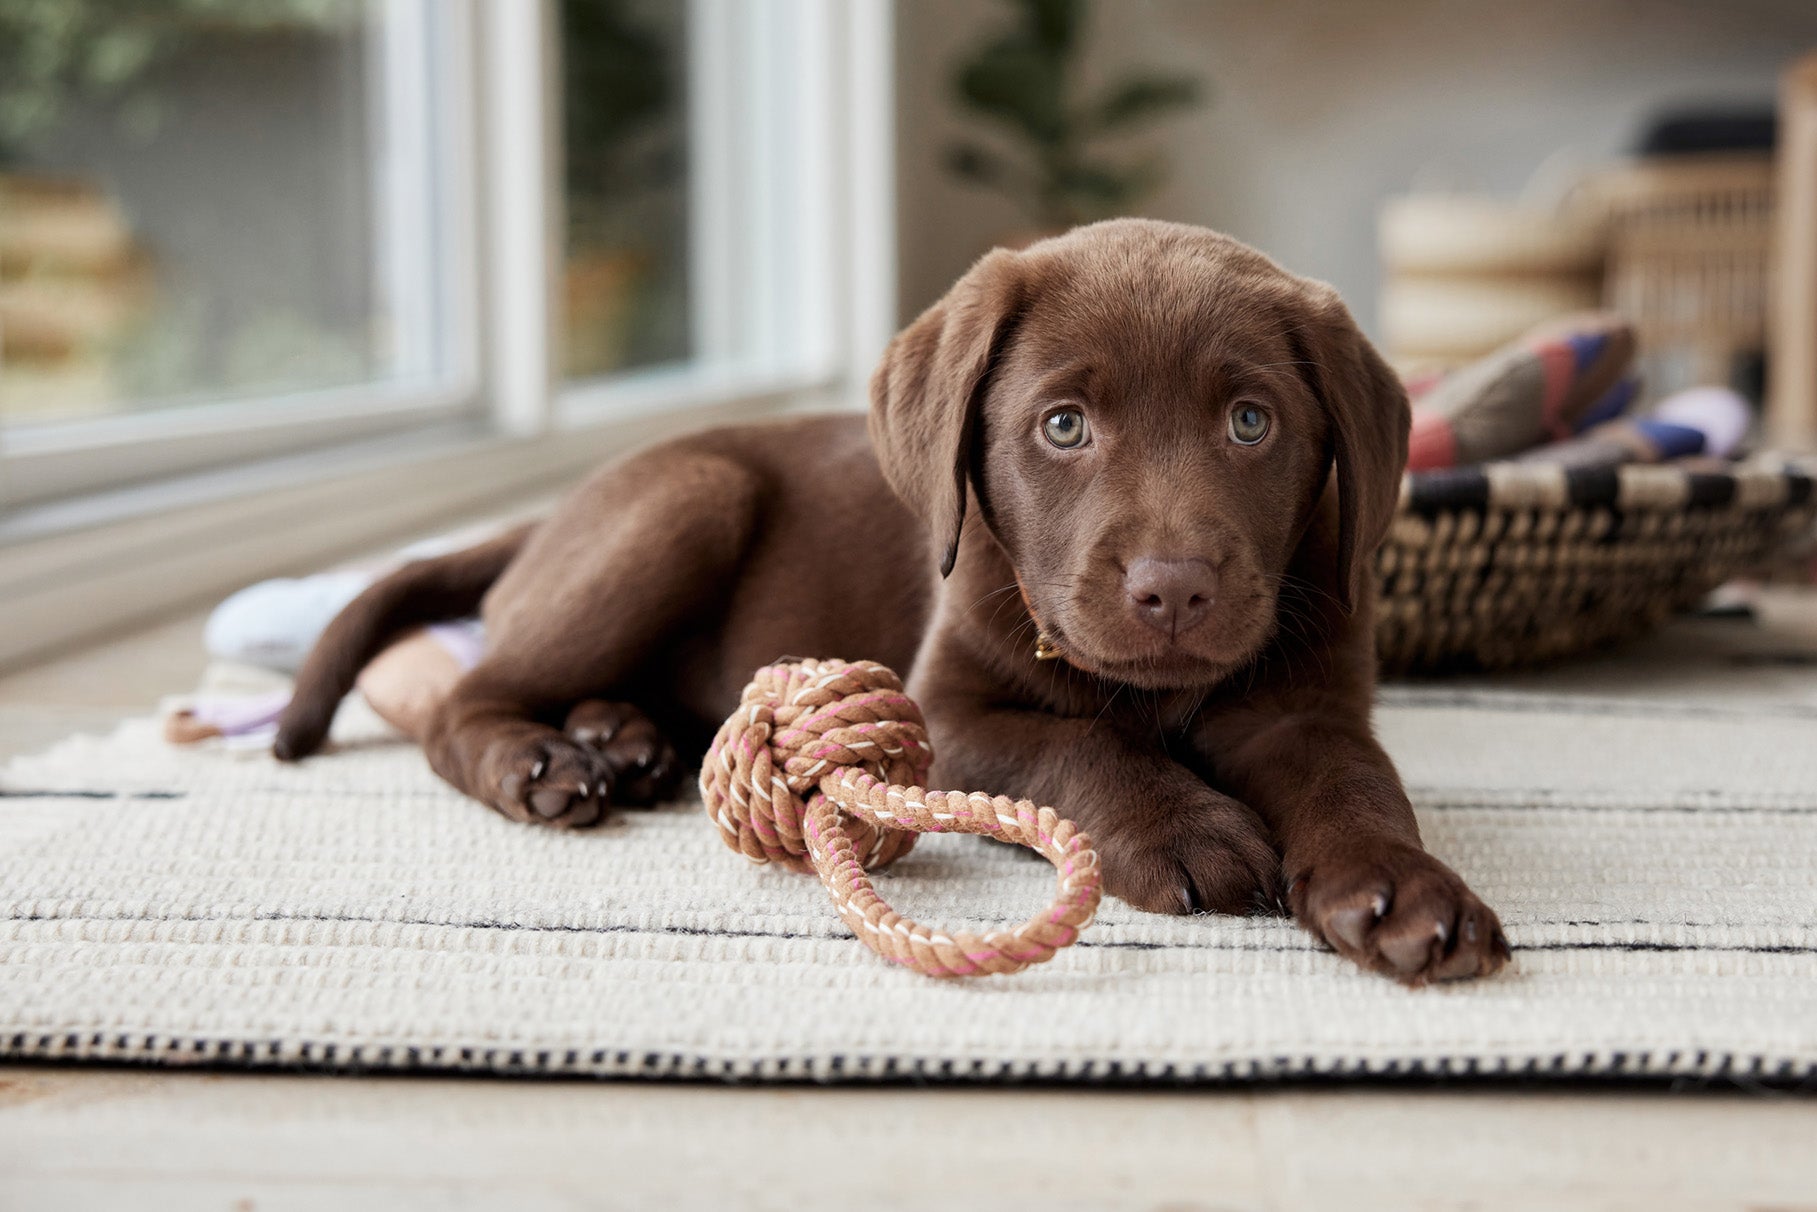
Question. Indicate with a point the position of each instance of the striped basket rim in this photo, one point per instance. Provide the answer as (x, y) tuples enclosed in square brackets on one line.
[(1762, 483)]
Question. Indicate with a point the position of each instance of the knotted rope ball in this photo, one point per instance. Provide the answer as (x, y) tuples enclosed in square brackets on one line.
[(822, 768)]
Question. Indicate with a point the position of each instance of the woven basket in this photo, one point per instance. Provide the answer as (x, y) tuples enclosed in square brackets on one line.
[(1512, 564)]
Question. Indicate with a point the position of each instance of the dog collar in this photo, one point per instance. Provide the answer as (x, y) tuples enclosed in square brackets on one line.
[(1046, 647)]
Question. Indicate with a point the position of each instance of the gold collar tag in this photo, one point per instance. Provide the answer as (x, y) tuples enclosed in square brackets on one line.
[(1046, 649)]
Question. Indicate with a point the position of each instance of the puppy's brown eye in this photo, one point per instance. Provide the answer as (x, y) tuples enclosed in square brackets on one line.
[(1066, 428), (1248, 424)]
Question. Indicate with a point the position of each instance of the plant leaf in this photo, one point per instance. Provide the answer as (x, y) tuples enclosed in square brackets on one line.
[(1019, 84), (1054, 24), (1143, 97), (1097, 190), (979, 164), (1096, 184)]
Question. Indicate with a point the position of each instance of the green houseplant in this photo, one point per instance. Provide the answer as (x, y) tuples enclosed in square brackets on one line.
[(1024, 81)]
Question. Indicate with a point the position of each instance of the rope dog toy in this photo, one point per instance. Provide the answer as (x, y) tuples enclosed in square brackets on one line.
[(821, 769)]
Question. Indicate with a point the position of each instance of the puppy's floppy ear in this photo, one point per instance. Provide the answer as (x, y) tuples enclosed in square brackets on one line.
[(1370, 417), (926, 393)]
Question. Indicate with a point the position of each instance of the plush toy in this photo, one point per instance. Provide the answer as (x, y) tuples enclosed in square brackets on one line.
[(273, 625), (820, 769), (402, 684)]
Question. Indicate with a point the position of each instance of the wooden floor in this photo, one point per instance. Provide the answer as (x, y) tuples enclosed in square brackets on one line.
[(75, 1139), (139, 1139)]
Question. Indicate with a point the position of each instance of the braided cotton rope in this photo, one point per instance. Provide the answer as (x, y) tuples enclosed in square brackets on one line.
[(819, 769)]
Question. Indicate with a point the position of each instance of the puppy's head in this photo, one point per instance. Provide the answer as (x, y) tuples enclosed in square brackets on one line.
[(1146, 416)]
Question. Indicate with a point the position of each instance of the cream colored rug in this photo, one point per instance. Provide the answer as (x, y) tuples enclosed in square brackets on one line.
[(1654, 860)]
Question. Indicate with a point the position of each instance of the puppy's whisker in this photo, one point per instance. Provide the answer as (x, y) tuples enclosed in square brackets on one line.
[(1001, 603), (1121, 686), (988, 596), (1303, 585)]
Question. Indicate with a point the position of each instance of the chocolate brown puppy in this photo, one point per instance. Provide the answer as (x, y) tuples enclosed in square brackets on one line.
[(1114, 515)]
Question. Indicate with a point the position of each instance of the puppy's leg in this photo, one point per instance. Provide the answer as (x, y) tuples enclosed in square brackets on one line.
[(1357, 875), (1169, 843), (639, 552)]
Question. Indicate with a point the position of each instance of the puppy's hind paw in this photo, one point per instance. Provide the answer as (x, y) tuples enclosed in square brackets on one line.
[(549, 780), (643, 765)]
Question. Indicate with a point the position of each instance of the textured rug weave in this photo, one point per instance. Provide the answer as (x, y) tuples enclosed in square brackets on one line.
[(1655, 863)]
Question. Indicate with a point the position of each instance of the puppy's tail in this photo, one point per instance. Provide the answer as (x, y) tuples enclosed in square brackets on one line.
[(421, 592)]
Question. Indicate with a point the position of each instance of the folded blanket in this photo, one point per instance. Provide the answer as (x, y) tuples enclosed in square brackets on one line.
[(1563, 393), (1545, 387)]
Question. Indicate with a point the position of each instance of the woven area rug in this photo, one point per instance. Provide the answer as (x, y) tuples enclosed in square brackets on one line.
[(1654, 860)]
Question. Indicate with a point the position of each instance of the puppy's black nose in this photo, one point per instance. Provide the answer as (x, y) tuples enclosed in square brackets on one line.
[(1172, 596)]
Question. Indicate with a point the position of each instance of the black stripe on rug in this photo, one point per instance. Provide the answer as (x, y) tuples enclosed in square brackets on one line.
[(1305, 945), (15, 793)]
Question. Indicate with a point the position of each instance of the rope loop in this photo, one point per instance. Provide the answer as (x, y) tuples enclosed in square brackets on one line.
[(821, 769)]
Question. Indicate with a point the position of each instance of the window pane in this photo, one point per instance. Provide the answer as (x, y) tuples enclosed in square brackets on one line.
[(624, 127), (192, 202)]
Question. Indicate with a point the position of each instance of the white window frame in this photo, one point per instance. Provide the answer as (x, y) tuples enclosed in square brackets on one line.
[(220, 494), (789, 101)]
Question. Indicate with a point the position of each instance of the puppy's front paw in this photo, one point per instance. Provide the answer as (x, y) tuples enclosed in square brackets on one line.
[(1216, 857), (1402, 913)]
